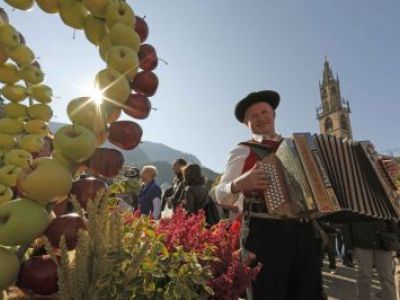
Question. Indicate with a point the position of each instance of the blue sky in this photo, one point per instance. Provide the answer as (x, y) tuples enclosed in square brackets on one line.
[(219, 51)]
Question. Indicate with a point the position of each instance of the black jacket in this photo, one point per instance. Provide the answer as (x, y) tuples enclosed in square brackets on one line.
[(195, 196), (368, 234)]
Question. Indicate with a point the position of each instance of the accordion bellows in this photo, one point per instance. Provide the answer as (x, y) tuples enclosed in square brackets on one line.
[(330, 177)]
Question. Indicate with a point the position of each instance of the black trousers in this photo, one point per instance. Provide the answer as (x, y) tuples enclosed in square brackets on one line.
[(288, 251)]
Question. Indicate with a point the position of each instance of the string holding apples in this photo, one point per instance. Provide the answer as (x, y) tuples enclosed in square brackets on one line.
[(34, 183)]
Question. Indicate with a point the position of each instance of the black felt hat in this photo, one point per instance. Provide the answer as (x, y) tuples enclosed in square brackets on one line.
[(271, 97)]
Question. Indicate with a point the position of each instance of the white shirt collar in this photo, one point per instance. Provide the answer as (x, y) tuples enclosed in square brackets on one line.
[(259, 137)]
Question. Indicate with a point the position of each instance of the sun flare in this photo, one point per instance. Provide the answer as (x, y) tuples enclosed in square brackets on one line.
[(97, 96)]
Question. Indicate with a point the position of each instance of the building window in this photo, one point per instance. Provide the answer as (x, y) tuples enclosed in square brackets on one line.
[(328, 125), (343, 122)]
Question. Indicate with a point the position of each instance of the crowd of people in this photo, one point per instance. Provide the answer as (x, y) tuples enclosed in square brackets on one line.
[(290, 249)]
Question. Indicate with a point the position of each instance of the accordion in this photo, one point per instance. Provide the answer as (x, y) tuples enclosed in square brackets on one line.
[(328, 177)]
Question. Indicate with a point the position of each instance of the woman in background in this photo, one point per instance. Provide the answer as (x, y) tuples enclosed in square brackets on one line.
[(195, 191)]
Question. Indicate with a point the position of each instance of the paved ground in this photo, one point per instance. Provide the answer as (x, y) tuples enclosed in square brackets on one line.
[(342, 285)]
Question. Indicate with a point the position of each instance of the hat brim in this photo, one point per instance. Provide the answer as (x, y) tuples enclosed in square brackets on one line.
[(270, 97)]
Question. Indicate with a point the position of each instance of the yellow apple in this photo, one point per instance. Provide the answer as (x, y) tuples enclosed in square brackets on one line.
[(6, 194), (23, 221), (3, 56), (40, 111), (75, 142), (120, 12), (11, 126), (49, 6), (122, 34), (7, 141), (20, 4), (58, 156), (73, 13), (21, 55), (18, 157), (31, 142), (104, 47), (57, 179), (15, 110), (95, 29), (41, 93), (9, 174), (114, 86), (96, 7), (124, 60), (14, 92), (9, 73), (37, 127), (9, 36), (9, 268), (84, 111), (31, 74)]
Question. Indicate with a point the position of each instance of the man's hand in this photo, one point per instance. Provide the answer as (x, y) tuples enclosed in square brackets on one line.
[(253, 179), (391, 166)]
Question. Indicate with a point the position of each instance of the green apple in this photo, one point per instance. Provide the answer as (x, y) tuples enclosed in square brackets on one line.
[(15, 110), (124, 60), (21, 221), (9, 36), (49, 6), (9, 73), (3, 56), (104, 47), (37, 127), (21, 55), (120, 12), (6, 194), (114, 86), (11, 126), (122, 34), (14, 92), (31, 74), (9, 174), (95, 29), (57, 179), (7, 141), (40, 111), (31, 142), (59, 157), (18, 157), (75, 142), (20, 4), (41, 93), (9, 268), (96, 7), (84, 111), (73, 13)]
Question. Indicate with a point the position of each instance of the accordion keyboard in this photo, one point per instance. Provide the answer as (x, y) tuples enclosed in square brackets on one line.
[(274, 195)]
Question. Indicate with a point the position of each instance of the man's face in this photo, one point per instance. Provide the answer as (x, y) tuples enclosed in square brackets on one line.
[(146, 176), (260, 118), (177, 169)]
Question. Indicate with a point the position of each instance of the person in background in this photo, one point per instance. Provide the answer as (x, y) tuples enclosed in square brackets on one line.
[(195, 190), (149, 199), (173, 196)]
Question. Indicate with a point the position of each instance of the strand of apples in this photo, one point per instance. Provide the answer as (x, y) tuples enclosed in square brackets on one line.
[(113, 26)]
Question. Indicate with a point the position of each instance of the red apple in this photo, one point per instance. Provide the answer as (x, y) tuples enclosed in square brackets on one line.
[(61, 208), (125, 134), (137, 106), (88, 188), (39, 275), (145, 82), (148, 59), (67, 225), (106, 162), (141, 28)]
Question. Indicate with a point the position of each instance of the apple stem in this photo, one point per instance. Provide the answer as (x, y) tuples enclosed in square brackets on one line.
[(4, 218), (164, 61), (30, 164), (154, 108), (144, 17), (74, 34)]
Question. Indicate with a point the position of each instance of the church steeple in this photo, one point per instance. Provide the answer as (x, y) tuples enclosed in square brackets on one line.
[(334, 113)]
